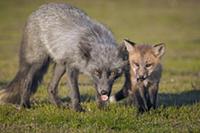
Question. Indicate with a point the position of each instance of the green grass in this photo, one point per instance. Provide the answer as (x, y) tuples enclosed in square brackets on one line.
[(175, 22)]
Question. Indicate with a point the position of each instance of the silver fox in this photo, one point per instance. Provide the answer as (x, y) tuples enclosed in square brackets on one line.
[(75, 43)]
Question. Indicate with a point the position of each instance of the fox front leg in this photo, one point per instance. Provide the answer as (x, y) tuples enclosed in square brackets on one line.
[(74, 92), (124, 92), (153, 92), (59, 71)]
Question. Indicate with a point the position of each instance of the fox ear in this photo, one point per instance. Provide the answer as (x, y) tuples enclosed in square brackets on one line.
[(129, 45), (159, 49), (123, 50), (85, 49)]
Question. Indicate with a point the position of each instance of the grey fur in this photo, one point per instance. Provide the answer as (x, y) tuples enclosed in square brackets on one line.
[(66, 35)]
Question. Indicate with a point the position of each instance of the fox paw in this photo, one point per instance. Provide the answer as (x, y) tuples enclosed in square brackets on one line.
[(112, 99), (78, 108)]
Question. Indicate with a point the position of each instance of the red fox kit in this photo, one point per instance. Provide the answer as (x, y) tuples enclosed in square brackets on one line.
[(144, 74)]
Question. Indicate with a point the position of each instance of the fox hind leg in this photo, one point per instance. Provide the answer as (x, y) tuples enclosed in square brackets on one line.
[(33, 78)]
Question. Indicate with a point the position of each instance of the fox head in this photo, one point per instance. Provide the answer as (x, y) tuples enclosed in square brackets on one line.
[(144, 59), (104, 65)]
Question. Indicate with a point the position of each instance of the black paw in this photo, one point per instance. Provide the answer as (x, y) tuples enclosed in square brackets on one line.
[(26, 105), (78, 108), (57, 102)]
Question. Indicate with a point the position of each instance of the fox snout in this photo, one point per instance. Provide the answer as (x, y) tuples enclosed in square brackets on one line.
[(104, 95), (141, 74), (104, 92), (141, 77)]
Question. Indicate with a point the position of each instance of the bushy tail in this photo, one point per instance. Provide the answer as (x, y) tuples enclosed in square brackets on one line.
[(13, 92)]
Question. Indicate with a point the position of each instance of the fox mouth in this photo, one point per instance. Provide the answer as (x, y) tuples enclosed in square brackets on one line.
[(103, 94), (104, 98)]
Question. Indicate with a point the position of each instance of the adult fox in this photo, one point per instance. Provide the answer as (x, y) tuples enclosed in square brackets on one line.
[(143, 76), (67, 36)]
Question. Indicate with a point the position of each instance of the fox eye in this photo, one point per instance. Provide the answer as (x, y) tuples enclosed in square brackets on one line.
[(136, 64), (149, 65), (97, 73), (114, 73)]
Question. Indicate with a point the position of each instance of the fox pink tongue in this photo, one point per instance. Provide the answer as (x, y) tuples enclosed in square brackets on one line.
[(104, 97)]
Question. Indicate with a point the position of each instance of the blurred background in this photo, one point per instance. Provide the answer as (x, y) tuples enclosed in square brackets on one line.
[(174, 22)]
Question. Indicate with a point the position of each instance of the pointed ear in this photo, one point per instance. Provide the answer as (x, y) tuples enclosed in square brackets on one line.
[(85, 49), (159, 49), (122, 48), (122, 52), (129, 45)]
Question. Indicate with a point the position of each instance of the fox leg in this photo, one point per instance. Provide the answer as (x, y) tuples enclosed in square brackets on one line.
[(124, 92), (138, 100), (59, 71), (74, 89), (153, 91), (29, 84), (145, 98)]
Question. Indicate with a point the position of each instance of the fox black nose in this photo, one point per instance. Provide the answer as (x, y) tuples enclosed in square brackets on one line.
[(104, 92), (141, 78)]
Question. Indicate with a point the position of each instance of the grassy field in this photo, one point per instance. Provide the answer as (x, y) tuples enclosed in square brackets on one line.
[(174, 22)]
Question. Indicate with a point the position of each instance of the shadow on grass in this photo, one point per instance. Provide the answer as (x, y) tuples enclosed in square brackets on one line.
[(165, 99), (87, 98), (179, 99), (84, 98)]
